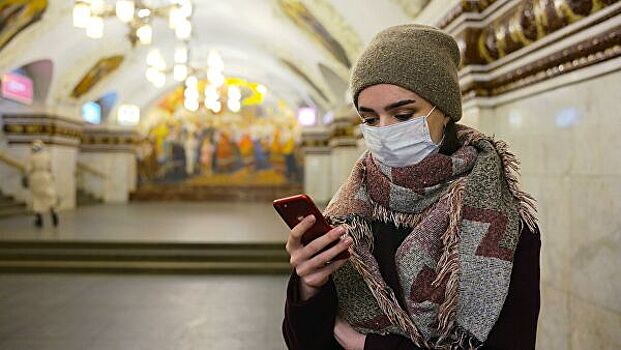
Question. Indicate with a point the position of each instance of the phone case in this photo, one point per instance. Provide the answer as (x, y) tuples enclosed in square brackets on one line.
[(295, 208)]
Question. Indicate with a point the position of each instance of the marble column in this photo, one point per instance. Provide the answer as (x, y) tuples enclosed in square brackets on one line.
[(317, 164), (107, 163), (62, 137), (345, 151)]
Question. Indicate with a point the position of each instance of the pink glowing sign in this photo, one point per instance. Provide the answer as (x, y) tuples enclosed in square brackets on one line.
[(17, 87)]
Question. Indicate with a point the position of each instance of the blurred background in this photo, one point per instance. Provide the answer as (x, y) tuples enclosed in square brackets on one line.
[(170, 126)]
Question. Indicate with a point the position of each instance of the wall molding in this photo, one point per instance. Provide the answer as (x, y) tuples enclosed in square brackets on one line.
[(51, 129), (511, 45), (105, 140)]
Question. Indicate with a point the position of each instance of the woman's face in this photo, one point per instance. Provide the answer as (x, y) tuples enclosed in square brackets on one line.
[(386, 104)]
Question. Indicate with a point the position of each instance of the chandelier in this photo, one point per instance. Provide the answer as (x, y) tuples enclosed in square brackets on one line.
[(187, 71), (137, 14)]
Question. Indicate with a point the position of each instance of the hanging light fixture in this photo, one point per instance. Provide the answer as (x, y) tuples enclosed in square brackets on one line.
[(180, 72), (125, 10), (145, 34), (181, 54), (81, 15), (98, 7), (183, 29), (95, 27), (234, 97), (137, 14), (262, 89), (184, 70)]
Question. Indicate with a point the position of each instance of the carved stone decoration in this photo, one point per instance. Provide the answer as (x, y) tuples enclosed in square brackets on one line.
[(513, 33), (316, 140), (55, 130), (100, 70), (588, 52), (15, 16), (102, 139), (342, 128), (530, 21), (322, 22), (465, 6)]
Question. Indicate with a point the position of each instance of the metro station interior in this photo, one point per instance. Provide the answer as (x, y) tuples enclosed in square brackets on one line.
[(170, 126)]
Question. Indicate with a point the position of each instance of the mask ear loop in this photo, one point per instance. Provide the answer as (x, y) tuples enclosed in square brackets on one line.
[(443, 129), (443, 136)]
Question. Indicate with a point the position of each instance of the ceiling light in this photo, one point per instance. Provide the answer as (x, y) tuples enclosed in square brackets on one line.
[(180, 72), (94, 28), (125, 10), (81, 15), (181, 54), (183, 29), (145, 34)]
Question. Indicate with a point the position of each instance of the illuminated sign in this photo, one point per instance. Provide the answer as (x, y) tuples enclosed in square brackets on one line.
[(128, 115), (91, 112), (307, 116), (17, 87)]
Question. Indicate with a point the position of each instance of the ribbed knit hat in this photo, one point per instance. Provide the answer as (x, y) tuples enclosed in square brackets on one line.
[(416, 57)]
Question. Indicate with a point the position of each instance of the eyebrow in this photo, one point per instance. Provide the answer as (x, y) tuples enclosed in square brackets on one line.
[(389, 107)]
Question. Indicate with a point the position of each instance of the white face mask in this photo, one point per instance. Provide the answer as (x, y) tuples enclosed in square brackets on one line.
[(400, 144)]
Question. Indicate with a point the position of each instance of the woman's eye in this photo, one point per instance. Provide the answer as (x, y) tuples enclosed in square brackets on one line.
[(404, 117), (369, 121)]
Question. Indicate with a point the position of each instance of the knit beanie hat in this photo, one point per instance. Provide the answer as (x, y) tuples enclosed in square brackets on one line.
[(420, 58)]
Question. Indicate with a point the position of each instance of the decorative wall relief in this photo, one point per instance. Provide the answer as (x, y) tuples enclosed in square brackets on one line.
[(492, 34), (515, 28), (17, 15), (342, 42), (55, 130), (100, 139), (103, 68), (531, 21)]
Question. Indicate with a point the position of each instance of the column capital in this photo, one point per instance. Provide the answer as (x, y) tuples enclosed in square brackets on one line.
[(342, 129), (315, 140), (99, 138), (51, 129)]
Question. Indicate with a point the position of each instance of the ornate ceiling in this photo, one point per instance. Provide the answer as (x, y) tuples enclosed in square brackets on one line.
[(300, 50)]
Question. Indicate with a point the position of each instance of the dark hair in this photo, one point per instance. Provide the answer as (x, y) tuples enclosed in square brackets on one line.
[(450, 144)]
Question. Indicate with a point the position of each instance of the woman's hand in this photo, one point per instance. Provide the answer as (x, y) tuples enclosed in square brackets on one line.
[(315, 269), (348, 337)]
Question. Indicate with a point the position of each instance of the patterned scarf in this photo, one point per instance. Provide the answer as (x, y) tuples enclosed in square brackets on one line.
[(465, 213)]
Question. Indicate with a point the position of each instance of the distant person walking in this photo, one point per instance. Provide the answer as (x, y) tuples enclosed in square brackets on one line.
[(41, 183)]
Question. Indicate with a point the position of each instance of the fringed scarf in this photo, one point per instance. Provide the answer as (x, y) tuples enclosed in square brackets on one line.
[(465, 213)]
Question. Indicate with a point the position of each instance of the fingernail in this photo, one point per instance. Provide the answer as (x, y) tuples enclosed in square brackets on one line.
[(348, 240), (310, 218)]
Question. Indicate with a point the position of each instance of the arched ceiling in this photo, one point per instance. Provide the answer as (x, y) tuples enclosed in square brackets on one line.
[(257, 39)]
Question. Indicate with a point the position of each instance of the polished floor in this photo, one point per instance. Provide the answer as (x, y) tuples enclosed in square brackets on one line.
[(157, 221), (134, 311), (67, 312)]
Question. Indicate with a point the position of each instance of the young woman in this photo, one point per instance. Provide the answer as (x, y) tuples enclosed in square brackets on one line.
[(444, 245)]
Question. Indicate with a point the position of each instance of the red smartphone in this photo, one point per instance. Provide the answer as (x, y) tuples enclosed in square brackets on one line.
[(295, 208)]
